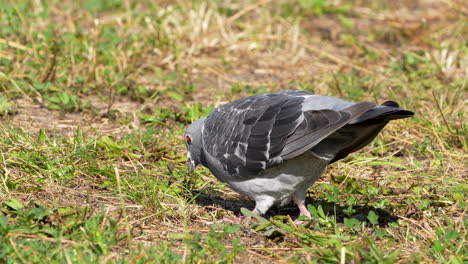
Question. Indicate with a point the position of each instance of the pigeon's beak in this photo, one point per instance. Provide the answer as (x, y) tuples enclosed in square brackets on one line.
[(191, 163)]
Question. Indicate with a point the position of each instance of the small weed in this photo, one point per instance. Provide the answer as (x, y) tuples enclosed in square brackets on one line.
[(66, 102), (212, 249), (54, 234), (373, 218), (196, 111), (353, 87), (6, 107), (311, 7)]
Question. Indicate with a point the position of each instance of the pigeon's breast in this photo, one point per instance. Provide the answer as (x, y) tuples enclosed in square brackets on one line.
[(282, 181)]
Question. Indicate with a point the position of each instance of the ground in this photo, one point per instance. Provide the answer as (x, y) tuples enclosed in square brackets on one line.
[(95, 97)]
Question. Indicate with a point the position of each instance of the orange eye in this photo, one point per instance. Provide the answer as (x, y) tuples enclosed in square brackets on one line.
[(188, 139)]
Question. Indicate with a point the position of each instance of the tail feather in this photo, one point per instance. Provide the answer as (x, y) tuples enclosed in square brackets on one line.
[(389, 110), (391, 104), (360, 131)]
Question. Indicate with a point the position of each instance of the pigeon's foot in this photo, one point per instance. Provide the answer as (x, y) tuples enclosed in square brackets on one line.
[(302, 212), (300, 222)]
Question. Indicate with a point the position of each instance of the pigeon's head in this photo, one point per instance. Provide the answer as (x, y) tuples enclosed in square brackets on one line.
[(193, 142)]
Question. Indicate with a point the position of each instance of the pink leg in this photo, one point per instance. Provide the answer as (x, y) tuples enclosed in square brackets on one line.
[(302, 211)]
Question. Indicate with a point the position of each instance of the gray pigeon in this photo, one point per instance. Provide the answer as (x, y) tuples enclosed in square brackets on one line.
[(273, 147)]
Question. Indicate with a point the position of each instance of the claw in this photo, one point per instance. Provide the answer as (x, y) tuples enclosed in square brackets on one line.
[(301, 222)]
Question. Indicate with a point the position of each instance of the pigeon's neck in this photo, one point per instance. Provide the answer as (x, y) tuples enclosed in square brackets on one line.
[(203, 160)]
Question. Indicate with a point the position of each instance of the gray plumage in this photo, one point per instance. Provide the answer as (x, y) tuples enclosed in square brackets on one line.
[(273, 147)]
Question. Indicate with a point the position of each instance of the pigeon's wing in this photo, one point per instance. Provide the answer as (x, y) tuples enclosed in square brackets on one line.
[(319, 124), (258, 132), (245, 134)]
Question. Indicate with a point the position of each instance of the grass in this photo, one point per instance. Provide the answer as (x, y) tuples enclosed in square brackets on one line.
[(95, 96)]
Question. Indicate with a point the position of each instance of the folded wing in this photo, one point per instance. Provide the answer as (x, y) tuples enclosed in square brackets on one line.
[(259, 132)]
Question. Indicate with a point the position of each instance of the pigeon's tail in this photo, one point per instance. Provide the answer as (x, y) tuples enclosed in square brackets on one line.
[(361, 131), (389, 110)]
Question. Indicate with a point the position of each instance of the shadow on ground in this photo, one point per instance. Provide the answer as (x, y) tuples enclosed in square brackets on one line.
[(213, 199)]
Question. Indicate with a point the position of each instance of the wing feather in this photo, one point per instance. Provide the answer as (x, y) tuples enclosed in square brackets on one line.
[(258, 132), (318, 125)]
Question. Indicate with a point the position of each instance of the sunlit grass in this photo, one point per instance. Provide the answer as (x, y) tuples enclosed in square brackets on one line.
[(95, 96)]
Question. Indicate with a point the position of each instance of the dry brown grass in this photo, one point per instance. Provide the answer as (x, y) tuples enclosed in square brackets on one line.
[(410, 51)]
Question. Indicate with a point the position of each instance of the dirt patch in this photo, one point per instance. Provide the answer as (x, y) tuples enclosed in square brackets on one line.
[(33, 117)]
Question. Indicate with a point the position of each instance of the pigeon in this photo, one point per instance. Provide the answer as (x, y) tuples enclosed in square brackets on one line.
[(273, 147)]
